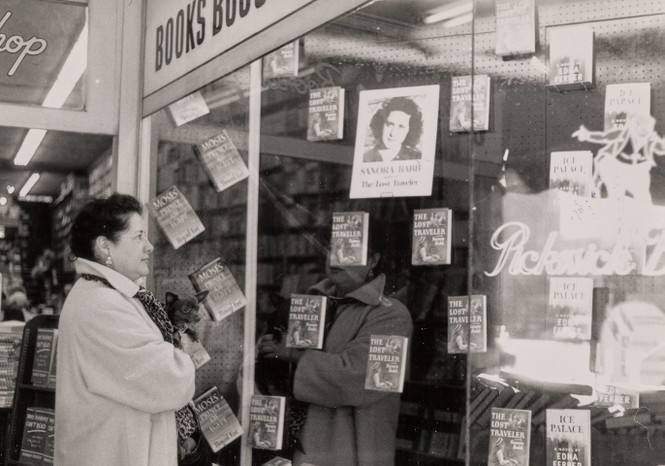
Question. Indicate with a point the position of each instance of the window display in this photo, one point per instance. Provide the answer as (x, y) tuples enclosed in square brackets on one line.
[(457, 179)]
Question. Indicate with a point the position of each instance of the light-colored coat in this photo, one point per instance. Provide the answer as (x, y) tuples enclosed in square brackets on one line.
[(346, 424), (118, 382)]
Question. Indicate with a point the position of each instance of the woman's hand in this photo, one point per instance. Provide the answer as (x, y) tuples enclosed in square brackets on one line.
[(270, 348)]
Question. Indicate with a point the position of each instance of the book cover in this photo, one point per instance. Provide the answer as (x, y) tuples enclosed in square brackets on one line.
[(608, 394), (572, 172), (349, 238), (175, 216), (515, 27), (34, 436), (188, 108), (470, 103), (282, 63), (196, 351), (266, 422), (44, 349), (571, 57), (510, 437), (624, 100), (386, 363), (307, 317), (467, 328), (568, 437), (325, 121), (221, 161), (569, 308), (49, 443), (431, 239), (225, 296), (216, 419), (395, 143)]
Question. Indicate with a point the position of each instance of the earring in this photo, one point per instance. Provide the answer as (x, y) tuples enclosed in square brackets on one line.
[(109, 261)]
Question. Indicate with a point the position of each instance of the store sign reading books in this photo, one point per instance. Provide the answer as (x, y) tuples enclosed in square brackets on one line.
[(183, 35), (19, 46)]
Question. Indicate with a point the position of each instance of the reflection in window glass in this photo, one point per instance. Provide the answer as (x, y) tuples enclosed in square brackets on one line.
[(44, 53)]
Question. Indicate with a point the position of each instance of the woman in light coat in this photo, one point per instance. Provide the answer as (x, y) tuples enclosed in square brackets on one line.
[(119, 381)]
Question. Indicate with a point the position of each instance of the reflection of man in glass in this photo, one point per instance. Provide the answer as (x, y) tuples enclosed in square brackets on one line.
[(397, 127)]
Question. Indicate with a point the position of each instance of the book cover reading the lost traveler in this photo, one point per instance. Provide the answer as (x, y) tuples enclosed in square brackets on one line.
[(470, 103), (568, 437), (266, 422), (386, 363), (326, 114), (218, 423), (569, 308), (349, 238), (431, 236), (307, 316), (283, 62), (175, 216), (221, 161), (510, 437), (467, 324), (225, 296)]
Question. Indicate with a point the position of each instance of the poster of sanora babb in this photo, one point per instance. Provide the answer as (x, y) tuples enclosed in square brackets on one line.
[(395, 142)]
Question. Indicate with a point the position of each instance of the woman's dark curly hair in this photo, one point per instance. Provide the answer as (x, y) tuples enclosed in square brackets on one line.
[(399, 104), (101, 217)]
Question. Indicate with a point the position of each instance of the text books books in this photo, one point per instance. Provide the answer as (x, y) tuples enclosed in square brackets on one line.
[(44, 357), (515, 27), (326, 114), (218, 423), (221, 161), (175, 216), (510, 437), (386, 364), (266, 422), (572, 172), (307, 316), (569, 308), (35, 436), (281, 63), (616, 395), (571, 57), (568, 437), (626, 100), (467, 112), (467, 328), (349, 238), (431, 236), (225, 296)]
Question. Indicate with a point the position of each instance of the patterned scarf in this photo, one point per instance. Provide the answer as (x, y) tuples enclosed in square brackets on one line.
[(155, 309)]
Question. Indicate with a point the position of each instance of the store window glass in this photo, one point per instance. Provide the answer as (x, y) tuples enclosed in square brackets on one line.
[(43, 53), (567, 229), (355, 130), (201, 139)]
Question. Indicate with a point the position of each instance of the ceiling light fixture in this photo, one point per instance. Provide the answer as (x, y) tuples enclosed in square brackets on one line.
[(69, 75), (458, 21), (3, 200), (10, 189), (448, 12), (29, 185)]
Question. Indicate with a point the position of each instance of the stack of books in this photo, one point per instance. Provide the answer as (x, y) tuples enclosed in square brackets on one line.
[(11, 334)]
